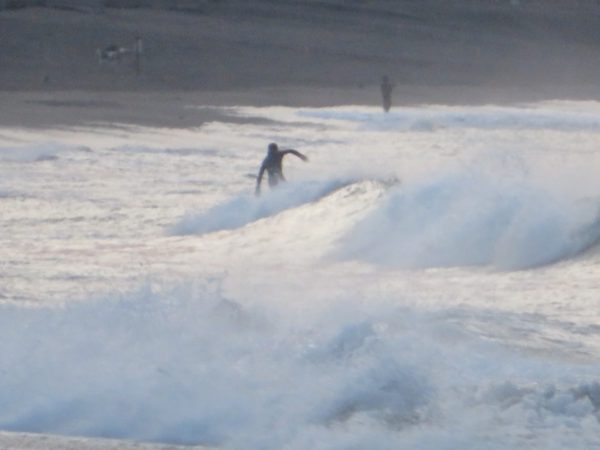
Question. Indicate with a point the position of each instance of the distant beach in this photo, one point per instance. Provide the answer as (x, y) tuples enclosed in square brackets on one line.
[(304, 54)]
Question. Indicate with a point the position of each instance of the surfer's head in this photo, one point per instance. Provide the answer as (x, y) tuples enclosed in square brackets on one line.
[(273, 148)]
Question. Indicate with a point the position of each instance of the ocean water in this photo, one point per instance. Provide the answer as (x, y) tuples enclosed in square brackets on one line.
[(427, 280)]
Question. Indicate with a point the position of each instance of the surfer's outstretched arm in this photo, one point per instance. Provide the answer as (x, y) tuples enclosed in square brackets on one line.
[(259, 179), (296, 153)]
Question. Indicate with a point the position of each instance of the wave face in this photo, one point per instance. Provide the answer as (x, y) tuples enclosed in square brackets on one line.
[(465, 220), (246, 208)]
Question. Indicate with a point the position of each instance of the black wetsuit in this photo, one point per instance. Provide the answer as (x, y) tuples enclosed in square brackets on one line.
[(272, 164)]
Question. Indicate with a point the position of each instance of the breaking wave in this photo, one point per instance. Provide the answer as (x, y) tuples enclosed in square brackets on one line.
[(310, 353), (189, 365), (452, 220), (466, 220), (245, 208)]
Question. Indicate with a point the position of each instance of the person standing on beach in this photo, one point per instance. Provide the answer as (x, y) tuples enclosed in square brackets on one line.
[(273, 165), (386, 93)]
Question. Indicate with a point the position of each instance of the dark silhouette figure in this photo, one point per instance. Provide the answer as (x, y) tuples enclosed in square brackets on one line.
[(386, 93), (138, 49), (272, 164)]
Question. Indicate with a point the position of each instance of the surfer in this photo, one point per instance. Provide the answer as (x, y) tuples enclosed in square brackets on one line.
[(272, 164)]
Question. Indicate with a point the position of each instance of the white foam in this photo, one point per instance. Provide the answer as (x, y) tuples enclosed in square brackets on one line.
[(431, 118), (31, 153), (245, 208), (297, 349), (464, 220), (188, 365)]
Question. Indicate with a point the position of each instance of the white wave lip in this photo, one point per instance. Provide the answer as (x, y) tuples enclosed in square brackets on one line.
[(463, 220)]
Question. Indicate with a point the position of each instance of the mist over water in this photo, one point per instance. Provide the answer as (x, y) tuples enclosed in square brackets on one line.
[(428, 280)]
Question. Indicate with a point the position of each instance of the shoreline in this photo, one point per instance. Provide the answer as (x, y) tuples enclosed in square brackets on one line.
[(14, 440), (183, 108)]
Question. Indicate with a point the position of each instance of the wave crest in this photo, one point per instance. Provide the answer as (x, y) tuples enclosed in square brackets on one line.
[(463, 220)]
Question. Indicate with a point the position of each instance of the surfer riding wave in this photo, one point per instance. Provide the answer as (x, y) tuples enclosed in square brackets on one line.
[(272, 164)]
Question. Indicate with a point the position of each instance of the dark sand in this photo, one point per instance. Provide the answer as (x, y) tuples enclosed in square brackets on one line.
[(292, 53)]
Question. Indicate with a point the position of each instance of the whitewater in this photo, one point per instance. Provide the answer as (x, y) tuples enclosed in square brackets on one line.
[(427, 280)]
